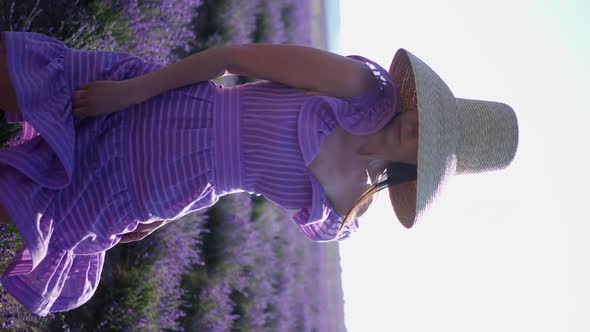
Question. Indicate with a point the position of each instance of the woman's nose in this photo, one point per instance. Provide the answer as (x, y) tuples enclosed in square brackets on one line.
[(410, 126)]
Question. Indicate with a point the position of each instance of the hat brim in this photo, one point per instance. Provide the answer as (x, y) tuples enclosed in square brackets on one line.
[(422, 90)]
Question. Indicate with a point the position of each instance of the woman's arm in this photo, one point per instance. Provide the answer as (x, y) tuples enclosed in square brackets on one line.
[(297, 66), (302, 67), (103, 97), (202, 66)]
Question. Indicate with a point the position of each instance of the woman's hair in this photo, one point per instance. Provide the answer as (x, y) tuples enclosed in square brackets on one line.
[(394, 173)]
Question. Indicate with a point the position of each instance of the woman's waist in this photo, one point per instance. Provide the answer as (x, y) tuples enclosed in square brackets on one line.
[(227, 141), (254, 135)]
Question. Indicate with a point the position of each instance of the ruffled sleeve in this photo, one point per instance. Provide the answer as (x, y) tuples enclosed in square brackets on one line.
[(359, 115), (320, 223), (372, 110)]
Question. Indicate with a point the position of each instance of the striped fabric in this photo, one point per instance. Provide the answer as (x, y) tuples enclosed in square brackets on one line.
[(74, 186), (63, 186), (272, 132), (170, 151)]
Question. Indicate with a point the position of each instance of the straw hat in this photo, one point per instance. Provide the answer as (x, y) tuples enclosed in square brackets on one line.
[(456, 136)]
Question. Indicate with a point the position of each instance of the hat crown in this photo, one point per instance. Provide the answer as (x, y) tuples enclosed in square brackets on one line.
[(488, 136)]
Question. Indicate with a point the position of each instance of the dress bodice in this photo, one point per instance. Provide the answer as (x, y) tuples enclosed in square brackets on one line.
[(269, 134)]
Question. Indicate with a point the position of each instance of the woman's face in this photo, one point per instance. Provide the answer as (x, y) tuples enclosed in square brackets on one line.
[(401, 139)]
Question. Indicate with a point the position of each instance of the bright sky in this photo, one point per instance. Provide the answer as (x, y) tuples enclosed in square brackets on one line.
[(506, 251)]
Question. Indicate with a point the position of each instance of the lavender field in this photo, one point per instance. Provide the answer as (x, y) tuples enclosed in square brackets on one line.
[(241, 265)]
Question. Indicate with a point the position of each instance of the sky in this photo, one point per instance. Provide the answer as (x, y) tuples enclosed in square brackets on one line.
[(504, 251)]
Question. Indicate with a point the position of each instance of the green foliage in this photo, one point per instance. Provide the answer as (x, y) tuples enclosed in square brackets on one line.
[(289, 20), (193, 282), (136, 293), (208, 23), (11, 241), (109, 20), (8, 131), (263, 26), (257, 207)]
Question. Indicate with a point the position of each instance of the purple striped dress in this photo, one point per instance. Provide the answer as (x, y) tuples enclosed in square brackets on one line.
[(74, 187)]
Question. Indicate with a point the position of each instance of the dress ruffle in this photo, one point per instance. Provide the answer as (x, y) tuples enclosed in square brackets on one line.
[(47, 160), (62, 281), (359, 115), (56, 270), (372, 110)]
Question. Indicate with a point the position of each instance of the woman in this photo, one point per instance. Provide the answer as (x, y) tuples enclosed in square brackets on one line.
[(113, 145)]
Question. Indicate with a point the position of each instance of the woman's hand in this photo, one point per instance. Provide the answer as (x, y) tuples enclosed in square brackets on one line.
[(143, 230), (102, 97)]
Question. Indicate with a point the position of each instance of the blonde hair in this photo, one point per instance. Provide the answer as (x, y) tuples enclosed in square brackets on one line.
[(394, 173), (361, 205)]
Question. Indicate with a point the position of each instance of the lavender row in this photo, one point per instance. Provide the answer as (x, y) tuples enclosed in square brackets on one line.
[(265, 278), (179, 250), (155, 27)]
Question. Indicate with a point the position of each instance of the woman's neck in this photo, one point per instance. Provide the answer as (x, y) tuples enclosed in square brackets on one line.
[(361, 163)]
